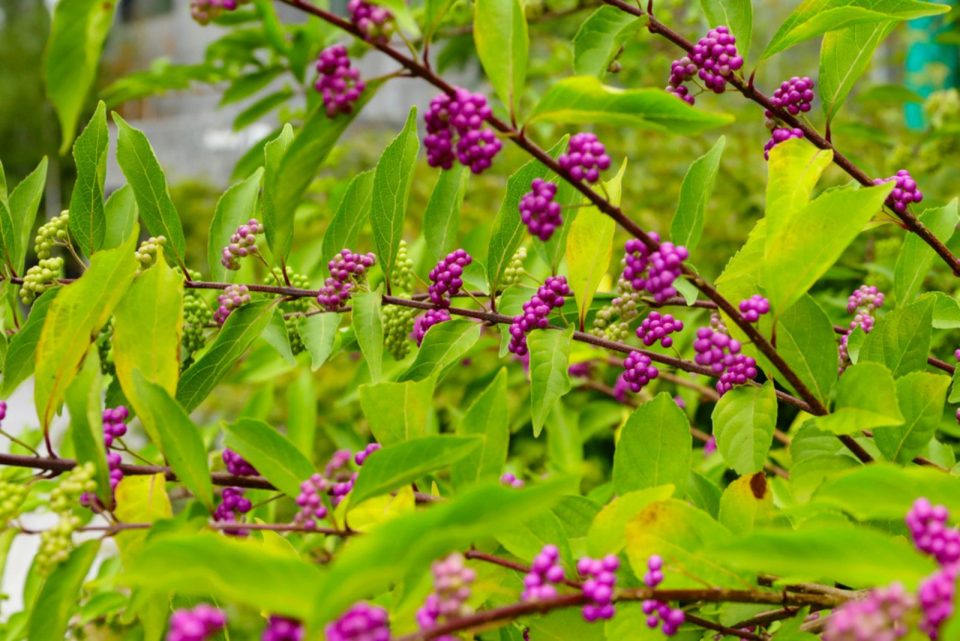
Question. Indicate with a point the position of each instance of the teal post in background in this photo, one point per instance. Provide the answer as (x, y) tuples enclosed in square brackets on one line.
[(930, 65)]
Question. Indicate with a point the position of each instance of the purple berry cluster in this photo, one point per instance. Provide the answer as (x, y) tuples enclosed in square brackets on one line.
[(653, 271), (862, 303), (114, 427), (233, 296), (754, 307), (360, 457), (310, 501), (794, 96), (878, 617), (336, 482), (446, 277), (904, 193), (511, 480), (460, 120), (658, 327), (338, 83), (374, 22), (3, 407), (716, 57), (429, 319), (936, 595), (197, 624), (710, 446), (283, 629), (620, 389), (232, 506), (659, 611), (346, 270), (538, 211), (545, 572), (681, 71), (339, 475), (779, 135), (931, 535), (638, 371), (362, 622), (682, 92), (243, 243), (585, 158), (549, 296), (451, 589), (237, 465), (716, 350), (601, 580)]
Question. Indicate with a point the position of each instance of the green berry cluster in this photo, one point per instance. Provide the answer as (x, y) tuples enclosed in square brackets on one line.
[(56, 543), (147, 251), (403, 277), (196, 316), (294, 335), (105, 349), (613, 321), (40, 278), (51, 233), (514, 271), (397, 326), (12, 496), (296, 280)]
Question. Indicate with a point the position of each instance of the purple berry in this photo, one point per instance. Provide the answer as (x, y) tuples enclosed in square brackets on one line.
[(904, 193), (653, 271), (794, 96), (659, 612), (347, 269), (538, 211), (446, 278), (232, 506), (243, 243), (459, 120), (536, 311), (683, 93), (715, 349), (362, 622), (716, 57), (283, 629), (338, 83), (237, 465), (599, 586), (373, 21), (778, 136), (451, 589), (545, 572), (365, 453), (429, 319), (233, 296), (511, 480), (585, 158), (656, 327), (754, 307), (197, 624), (878, 616), (637, 371)]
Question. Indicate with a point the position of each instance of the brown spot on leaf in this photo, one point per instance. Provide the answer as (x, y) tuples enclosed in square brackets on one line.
[(758, 485)]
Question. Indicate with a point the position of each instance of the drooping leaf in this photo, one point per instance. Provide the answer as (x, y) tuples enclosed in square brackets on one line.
[(443, 346), (73, 320), (887, 491), (391, 191), (319, 334), (441, 219), (243, 326), (805, 340), (866, 398), (397, 411), (793, 170), (735, 14), (142, 169), (655, 448), (488, 417), (744, 420), (585, 100), (121, 213), (277, 217), (60, 595), (21, 353), (88, 224), (549, 379), (695, 192), (399, 464), (148, 324), (77, 34), (236, 206), (599, 39), (272, 454), (368, 326), (901, 339), (140, 499), (86, 426), (353, 212), (921, 396), (503, 44), (24, 202), (916, 257), (844, 56)]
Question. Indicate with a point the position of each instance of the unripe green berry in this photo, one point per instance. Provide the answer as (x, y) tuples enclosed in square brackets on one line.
[(514, 271), (40, 278), (403, 277), (397, 326), (147, 252)]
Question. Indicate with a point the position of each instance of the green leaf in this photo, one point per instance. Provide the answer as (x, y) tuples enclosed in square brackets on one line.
[(261, 107), (24, 203), (397, 411), (746, 502), (60, 595), (805, 340), (807, 245), (885, 491), (72, 57), (244, 571), (585, 100), (236, 206), (442, 216), (139, 164), (434, 13), (901, 339), (528, 538), (508, 229), (243, 326), (844, 56), (8, 233), (88, 224), (400, 464), (815, 17), (549, 380), (21, 354), (443, 346), (275, 457), (735, 14), (121, 213), (866, 398), (391, 191), (488, 416), (921, 396), (655, 448), (600, 38), (793, 170), (503, 45), (744, 420), (319, 333), (368, 327), (276, 336), (147, 327), (916, 257), (140, 499), (695, 191), (590, 247), (354, 210), (179, 438), (608, 532), (277, 217), (75, 317), (86, 425), (857, 557), (302, 412)]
